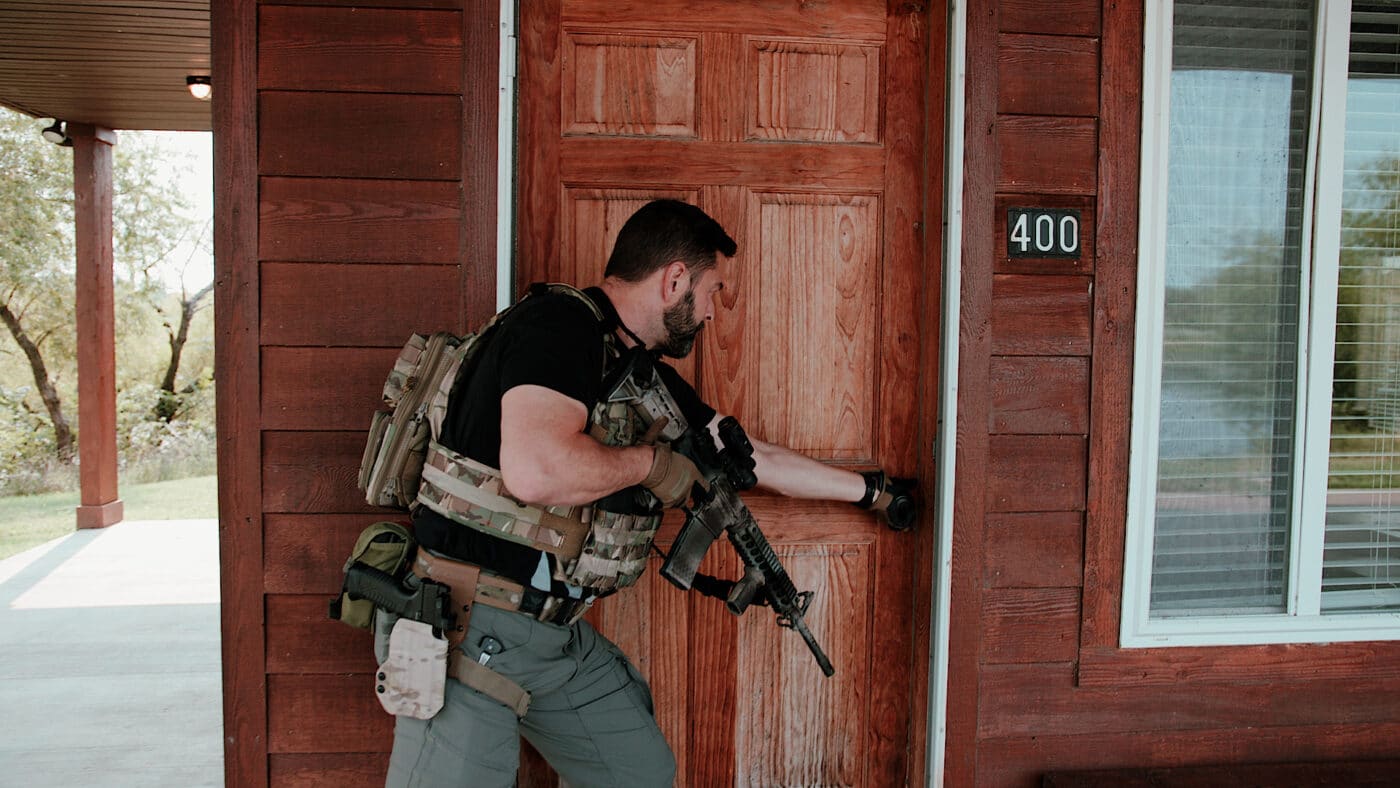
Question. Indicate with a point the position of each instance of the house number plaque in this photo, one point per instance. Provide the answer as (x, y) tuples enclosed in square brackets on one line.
[(1042, 232)]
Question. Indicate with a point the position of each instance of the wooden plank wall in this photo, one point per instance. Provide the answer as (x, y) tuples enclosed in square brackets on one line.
[(1037, 683), (373, 132)]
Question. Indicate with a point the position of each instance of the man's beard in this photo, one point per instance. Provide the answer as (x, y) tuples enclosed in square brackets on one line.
[(681, 327)]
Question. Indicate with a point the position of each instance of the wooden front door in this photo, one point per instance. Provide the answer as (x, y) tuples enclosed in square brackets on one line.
[(800, 127)]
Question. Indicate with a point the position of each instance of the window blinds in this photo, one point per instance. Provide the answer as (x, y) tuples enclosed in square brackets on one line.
[(1238, 143), (1361, 557)]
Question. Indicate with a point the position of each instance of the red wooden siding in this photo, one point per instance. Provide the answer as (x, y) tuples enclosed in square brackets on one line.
[(1039, 395), (363, 49), (1034, 550), (317, 305), (1037, 681), (1065, 18), (357, 151)]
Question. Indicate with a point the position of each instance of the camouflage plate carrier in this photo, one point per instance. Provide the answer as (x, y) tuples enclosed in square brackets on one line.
[(595, 549)]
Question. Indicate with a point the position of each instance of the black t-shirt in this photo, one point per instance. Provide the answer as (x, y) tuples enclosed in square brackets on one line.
[(551, 340)]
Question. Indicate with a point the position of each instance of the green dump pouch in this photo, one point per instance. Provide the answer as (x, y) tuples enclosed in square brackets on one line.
[(386, 546)]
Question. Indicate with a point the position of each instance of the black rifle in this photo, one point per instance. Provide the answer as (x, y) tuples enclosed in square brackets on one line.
[(720, 509), (428, 603)]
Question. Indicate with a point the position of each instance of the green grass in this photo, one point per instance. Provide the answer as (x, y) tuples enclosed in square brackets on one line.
[(30, 520), (1362, 459)]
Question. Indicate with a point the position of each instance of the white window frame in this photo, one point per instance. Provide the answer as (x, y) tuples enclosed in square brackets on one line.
[(1303, 621)]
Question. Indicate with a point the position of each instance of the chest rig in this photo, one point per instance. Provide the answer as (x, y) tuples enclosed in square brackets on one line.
[(600, 547)]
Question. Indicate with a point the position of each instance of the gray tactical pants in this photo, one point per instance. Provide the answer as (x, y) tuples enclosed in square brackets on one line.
[(590, 715)]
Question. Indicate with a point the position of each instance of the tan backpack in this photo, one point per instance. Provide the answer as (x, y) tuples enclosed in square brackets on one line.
[(398, 437), (416, 394)]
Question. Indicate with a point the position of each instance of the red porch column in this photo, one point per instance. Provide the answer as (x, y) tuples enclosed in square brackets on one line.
[(97, 354)]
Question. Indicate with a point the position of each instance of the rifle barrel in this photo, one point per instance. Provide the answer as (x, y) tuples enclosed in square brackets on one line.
[(822, 661), (756, 552)]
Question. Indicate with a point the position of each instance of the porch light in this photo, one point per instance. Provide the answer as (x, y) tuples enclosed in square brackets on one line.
[(199, 86), (56, 134)]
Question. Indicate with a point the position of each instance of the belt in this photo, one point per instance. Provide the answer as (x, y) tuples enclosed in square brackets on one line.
[(471, 585)]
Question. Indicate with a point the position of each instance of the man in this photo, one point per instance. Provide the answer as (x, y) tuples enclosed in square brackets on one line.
[(528, 405)]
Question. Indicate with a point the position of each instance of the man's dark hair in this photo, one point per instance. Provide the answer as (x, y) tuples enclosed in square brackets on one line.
[(662, 231)]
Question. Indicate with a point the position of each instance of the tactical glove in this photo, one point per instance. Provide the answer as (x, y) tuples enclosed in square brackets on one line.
[(892, 498), (672, 477)]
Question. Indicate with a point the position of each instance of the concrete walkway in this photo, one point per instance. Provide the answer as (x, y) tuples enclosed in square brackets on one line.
[(109, 659)]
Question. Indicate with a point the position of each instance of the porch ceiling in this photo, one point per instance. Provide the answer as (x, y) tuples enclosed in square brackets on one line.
[(118, 65)]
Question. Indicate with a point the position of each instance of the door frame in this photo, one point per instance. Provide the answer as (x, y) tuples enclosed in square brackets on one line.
[(945, 443)]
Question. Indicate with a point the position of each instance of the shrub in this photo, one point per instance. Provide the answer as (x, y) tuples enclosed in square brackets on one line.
[(149, 448), (152, 449)]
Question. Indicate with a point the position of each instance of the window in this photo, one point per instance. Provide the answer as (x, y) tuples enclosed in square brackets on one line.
[(1264, 500)]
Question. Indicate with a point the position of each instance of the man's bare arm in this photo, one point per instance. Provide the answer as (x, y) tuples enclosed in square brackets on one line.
[(786, 472), (547, 458)]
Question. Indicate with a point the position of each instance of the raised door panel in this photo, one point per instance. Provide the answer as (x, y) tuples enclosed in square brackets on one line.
[(796, 727), (628, 85), (804, 90), (818, 272)]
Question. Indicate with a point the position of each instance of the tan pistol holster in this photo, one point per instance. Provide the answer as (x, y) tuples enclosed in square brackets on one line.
[(467, 590)]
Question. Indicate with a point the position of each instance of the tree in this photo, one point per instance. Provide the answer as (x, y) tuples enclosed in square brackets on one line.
[(36, 256), (151, 217), (153, 230), (189, 307), (1369, 232), (168, 405)]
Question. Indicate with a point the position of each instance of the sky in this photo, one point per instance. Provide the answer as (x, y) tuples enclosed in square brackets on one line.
[(196, 181)]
